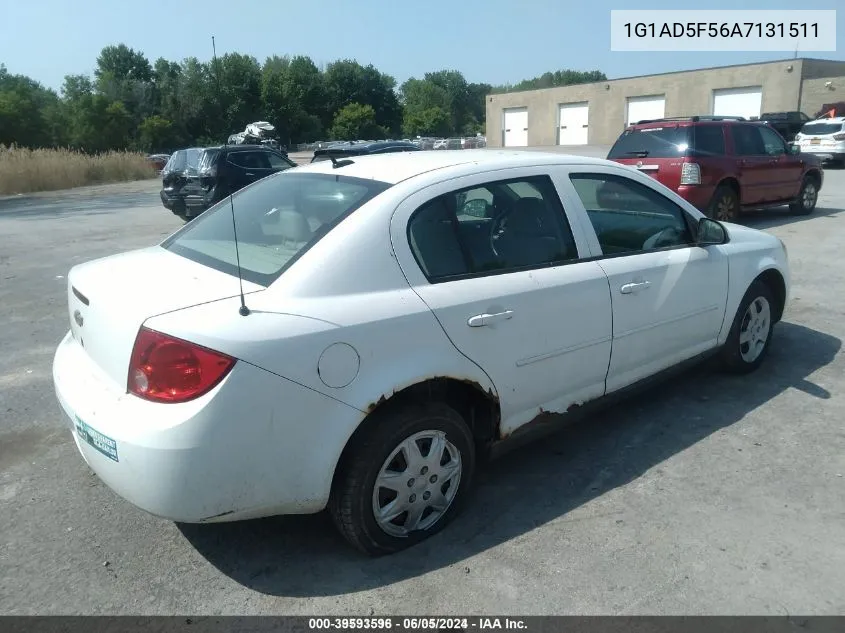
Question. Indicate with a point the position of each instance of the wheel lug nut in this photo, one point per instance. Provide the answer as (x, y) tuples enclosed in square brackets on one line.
[(433, 478), (424, 470), (410, 482), (426, 495), (412, 498)]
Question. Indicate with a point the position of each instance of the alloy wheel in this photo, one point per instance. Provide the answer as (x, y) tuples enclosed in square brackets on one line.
[(809, 196)]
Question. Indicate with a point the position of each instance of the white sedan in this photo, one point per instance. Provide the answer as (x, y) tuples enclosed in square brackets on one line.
[(383, 323)]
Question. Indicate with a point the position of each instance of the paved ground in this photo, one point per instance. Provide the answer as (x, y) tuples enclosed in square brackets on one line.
[(709, 495)]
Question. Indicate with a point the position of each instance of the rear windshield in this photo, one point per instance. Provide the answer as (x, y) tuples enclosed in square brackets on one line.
[(821, 128), (656, 142), (277, 219), (206, 159)]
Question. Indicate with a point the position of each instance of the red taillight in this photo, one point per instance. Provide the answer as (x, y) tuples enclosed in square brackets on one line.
[(167, 369)]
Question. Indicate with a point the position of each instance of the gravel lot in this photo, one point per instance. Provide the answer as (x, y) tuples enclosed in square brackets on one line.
[(709, 495)]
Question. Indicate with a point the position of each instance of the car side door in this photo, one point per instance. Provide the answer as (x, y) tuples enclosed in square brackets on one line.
[(245, 167), (508, 284), (278, 162), (757, 183), (668, 295), (786, 168)]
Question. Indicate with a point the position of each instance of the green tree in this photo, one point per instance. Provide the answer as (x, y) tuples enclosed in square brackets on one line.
[(293, 96), (554, 80), (155, 134), (356, 121), (347, 82), (434, 121)]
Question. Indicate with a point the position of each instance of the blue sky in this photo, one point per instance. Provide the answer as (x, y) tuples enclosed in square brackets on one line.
[(496, 41)]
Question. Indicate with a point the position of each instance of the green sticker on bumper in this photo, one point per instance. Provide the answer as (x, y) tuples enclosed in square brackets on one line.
[(106, 445)]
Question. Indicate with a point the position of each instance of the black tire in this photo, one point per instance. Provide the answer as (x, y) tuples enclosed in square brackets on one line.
[(724, 206), (352, 499), (734, 355), (807, 197)]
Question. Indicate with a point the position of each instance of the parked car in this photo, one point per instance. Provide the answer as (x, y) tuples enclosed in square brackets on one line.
[(787, 124), (158, 161), (210, 174), (824, 139), (362, 149), (440, 143), (393, 330), (722, 165)]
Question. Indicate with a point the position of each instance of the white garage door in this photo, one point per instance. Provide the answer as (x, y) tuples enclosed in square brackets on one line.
[(573, 123), (515, 127), (743, 102), (644, 108)]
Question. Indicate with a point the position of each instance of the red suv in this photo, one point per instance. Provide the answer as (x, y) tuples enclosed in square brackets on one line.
[(722, 165)]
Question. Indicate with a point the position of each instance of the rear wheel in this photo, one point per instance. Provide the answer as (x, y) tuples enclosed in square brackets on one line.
[(724, 206), (751, 331), (807, 197), (404, 478)]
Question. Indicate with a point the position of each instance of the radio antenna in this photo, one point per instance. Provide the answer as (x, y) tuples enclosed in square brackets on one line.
[(243, 310)]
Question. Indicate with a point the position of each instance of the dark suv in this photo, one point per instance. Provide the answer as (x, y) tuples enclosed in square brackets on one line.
[(722, 165), (195, 179)]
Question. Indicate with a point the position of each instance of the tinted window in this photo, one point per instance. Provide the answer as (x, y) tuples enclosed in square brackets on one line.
[(277, 162), (629, 217), (821, 128), (277, 220), (709, 140), (656, 142), (250, 160), (491, 229), (772, 142), (748, 140)]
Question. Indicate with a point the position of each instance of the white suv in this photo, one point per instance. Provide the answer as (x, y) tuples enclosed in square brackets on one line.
[(824, 137)]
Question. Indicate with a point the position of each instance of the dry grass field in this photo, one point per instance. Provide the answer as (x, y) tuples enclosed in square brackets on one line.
[(26, 170)]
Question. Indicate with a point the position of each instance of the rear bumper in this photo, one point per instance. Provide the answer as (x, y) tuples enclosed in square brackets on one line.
[(697, 195), (256, 445), (825, 153)]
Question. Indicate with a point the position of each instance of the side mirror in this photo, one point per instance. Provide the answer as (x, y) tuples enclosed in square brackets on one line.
[(794, 148), (710, 232), (476, 208)]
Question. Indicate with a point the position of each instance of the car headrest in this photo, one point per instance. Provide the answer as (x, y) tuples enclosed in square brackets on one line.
[(293, 226)]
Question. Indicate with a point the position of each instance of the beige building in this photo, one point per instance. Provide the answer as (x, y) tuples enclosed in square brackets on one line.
[(597, 113)]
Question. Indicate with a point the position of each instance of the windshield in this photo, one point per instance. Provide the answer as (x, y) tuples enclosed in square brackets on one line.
[(656, 142), (821, 128), (277, 219)]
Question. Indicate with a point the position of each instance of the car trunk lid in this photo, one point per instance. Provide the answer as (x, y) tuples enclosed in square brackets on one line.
[(110, 298)]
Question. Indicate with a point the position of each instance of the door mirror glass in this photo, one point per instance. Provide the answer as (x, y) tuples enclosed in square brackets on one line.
[(476, 208), (710, 232)]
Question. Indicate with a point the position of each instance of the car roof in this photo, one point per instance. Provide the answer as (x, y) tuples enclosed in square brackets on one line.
[(836, 119), (363, 147), (395, 168)]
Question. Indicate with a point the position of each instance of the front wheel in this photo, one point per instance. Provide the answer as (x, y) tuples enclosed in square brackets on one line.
[(404, 478), (807, 198), (751, 331)]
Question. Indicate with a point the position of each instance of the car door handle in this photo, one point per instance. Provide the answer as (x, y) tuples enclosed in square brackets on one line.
[(634, 287), (480, 320), (249, 173)]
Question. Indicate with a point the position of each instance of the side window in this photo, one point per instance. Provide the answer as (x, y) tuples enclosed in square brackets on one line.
[(491, 229), (629, 217), (277, 162), (709, 140), (747, 140), (772, 141), (249, 160)]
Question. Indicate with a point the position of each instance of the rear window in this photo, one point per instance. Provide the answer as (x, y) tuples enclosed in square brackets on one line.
[(277, 219), (821, 128), (656, 142)]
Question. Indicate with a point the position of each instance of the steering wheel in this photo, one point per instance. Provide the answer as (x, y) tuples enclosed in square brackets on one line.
[(670, 236)]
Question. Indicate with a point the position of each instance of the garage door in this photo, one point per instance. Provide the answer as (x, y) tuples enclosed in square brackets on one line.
[(643, 108), (573, 124), (743, 102), (515, 127)]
